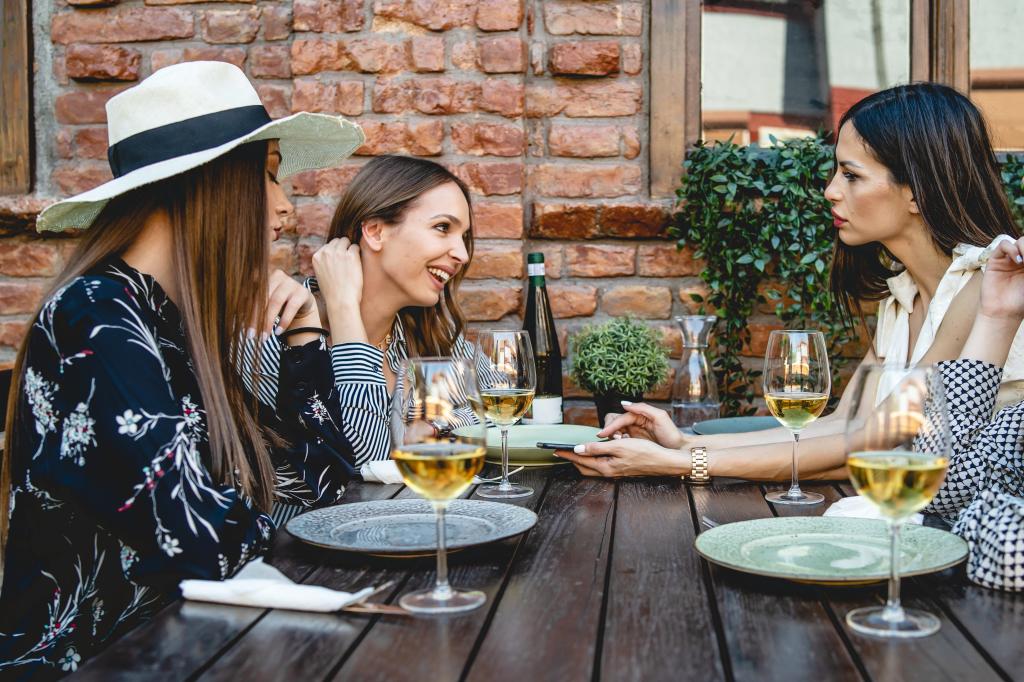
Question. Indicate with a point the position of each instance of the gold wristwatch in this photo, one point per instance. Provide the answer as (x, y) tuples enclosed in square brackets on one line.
[(698, 466)]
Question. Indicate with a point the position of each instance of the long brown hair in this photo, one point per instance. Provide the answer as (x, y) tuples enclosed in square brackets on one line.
[(220, 256), (934, 141), (384, 189)]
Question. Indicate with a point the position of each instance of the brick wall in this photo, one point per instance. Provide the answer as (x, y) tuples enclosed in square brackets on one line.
[(538, 104)]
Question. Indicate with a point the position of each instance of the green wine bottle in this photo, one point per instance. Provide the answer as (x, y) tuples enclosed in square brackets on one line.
[(540, 325)]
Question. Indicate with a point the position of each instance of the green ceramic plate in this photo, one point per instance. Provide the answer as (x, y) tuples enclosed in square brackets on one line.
[(827, 549), (523, 439), (734, 425)]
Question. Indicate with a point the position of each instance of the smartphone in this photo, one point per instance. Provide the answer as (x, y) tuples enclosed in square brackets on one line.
[(556, 446)]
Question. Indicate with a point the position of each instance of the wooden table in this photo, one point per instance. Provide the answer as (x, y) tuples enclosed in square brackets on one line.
[(606, 586)]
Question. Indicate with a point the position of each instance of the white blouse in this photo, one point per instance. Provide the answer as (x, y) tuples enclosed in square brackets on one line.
[(892, 335)]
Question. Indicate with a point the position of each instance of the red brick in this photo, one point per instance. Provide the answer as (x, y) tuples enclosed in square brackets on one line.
[(591, 18), (102, 62), (664, 260), (328, 96), (328, 16), (80, 176), (395, 137), (426, 53), (231, 25), (189, 2), (759, 332), (91, 143), (572, 300), (640, 301), (492, 178), (276, 98), (502, 97), (277, 22), (313, 56), (313, 219), (632, 59), (671, 340), (583, 140), (600, 260), (12, 332), (35, 258), (20, 296), (535, 135), (633, 220), (537, 58), (282, 256), (466, 56), (437, 15), (304, 251), (584, 99), (564, 221), (630, 142), (374, 55), (491, 260), (160, 59), (444, 96), (63, 143), (121, 25), (693, 287), (231, 55), (499, 15), (392, 96), (599, 58), (492, 220), (91, 3), (270, 61), (83, 106), (585, 415), (324, 182), (502, 54), (481, 302), (554, 257), (584, 180), (497, 139)]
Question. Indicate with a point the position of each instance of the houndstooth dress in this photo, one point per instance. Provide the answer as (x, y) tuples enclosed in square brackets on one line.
[(983, 494)]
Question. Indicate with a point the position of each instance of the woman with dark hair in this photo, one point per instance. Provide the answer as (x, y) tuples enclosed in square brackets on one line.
[(917, 204), (134, 455), (399, 244)]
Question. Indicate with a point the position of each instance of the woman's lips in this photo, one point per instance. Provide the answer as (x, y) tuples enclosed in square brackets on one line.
[(838, 220)]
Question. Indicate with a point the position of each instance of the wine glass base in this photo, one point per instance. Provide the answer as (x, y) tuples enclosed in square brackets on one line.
[(871, 621), (425, 601), (504, 492), (783, 497)]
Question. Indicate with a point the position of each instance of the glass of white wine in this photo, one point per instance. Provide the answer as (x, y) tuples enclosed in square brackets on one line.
[(508, 379), (797, 382), (898, 448), (433, 397)]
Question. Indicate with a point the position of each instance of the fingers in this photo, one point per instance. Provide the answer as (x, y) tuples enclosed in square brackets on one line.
[(644, 410), (292, 306), (598, 448), (275, 302), (587, 467), (1014, 251), (618, 424)]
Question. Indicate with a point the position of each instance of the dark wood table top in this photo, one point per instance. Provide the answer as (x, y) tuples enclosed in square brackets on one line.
[(608, 585)]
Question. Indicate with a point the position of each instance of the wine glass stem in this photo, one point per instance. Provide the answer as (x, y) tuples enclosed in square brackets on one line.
[(442, 590), (504, 458), (794, 479), (893, 609)]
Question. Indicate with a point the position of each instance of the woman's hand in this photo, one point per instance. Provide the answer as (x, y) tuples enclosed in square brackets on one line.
[(289, 304), (1002, 288), (339, 274), (643, 421), (626, 457)]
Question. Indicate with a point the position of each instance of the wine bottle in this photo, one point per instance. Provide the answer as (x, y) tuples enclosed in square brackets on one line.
[(540, 325)]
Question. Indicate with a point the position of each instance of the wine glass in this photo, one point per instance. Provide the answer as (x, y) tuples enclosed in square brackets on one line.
[(797, 381), (897, 452), (508, 379), (433, 397)]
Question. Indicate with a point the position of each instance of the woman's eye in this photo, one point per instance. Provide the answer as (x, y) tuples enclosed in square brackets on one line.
[(849, 176), (273, 178), (443, 227)]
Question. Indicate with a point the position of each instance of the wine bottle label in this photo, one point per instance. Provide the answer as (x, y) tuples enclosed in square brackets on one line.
[(535, 269), (545, 409)]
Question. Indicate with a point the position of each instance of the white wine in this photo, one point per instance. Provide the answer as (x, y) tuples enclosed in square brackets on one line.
[(505, 406), (796, 410), (439, 471), (899, 483), (539, 323)]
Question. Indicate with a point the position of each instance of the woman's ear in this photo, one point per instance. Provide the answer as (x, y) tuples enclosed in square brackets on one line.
[(908, 194), (373, 234)]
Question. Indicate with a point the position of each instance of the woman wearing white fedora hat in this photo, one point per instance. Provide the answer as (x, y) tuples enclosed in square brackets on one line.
[(135, 456)]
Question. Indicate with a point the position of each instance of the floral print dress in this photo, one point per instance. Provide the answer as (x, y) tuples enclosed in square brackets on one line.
[(112, 500)]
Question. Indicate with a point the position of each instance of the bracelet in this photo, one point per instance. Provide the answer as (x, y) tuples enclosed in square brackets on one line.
[(302, 330)]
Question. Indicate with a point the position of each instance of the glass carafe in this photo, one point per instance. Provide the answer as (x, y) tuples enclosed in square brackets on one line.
[(695, 393)]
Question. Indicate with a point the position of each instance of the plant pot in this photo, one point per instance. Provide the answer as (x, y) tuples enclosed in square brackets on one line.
[(612, 402)]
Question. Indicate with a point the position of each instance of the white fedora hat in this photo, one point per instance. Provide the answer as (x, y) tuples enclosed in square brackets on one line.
[(186, 115)]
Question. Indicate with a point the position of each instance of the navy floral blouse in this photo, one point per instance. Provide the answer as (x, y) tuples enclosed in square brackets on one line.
[(112, 500)]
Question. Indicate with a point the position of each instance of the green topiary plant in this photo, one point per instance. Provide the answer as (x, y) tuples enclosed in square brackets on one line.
[(618, 359)]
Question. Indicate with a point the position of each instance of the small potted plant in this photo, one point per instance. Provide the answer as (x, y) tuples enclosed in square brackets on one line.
[(618, 360)]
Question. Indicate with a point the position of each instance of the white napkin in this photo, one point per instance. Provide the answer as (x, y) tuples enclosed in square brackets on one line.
[(380, 472), (859, 507), (263, 586)]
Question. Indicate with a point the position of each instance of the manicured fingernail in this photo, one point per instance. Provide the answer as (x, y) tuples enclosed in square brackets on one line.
[(580, 449), (250, 333), (1019, 260), (626, 403), (555, 454), (617, 436), (277, 330)]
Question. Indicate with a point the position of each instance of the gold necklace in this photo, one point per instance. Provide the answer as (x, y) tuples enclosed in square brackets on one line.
[(385, 344)]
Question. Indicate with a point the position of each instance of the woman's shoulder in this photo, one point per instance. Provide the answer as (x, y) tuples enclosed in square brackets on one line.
[(85, 295)]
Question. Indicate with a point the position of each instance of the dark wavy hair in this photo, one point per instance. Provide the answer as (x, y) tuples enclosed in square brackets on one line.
[(934, 141)]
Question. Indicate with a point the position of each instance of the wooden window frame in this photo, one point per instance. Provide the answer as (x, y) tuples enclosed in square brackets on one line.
[(15, 98), (939, 51)]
